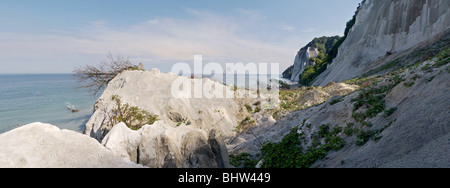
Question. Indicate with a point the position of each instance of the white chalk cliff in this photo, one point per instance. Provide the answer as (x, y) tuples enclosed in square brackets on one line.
[(302, 60), (152, 91), (164, 146), (188, 131), (417, 135), (386, 27)]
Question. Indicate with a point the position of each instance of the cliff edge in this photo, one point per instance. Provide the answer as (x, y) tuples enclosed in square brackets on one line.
[(383, 30)]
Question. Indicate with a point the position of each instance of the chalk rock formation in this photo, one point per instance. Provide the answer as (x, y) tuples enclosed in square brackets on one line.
[(420, 130), (189, 130), (418, 135), (302, 61), (40, 145), (311, 50), (161, 145), (152, 91), (384, 28), (267, 129)]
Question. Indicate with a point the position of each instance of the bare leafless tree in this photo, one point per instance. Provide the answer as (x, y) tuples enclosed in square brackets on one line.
[(96, 79)]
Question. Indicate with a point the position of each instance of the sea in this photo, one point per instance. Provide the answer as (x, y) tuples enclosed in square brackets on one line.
[(30, 98), (45, 98)]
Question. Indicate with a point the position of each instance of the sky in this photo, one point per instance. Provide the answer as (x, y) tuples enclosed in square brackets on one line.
[(48, 36)]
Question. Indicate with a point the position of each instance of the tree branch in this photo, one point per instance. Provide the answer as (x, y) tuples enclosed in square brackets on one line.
[(96, 79)]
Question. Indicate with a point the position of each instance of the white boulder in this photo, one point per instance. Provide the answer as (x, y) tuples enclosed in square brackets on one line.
[(39, 145)]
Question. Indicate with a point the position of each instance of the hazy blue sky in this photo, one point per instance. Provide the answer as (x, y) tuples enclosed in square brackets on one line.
[(56, 36)]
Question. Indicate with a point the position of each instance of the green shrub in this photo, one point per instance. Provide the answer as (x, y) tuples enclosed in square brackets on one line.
[(389, 111), (336, 130), (286, 105), (324, 130), (376, 104), (415, 77), (315, 141), (349, 131), (309, 74), (361, 80), (244, 124), (289, 153), (308, 125), (285, 154), (335, 143), (244, 160), (427, 68), (428, 80), (408, 84), (132, 116), (338, 100), (397, 79), (283, 85), (366, 124), (442, 58), (249, 108), (363, 137), (373, 98)]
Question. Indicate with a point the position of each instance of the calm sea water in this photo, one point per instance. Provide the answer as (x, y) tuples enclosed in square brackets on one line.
[(43, 98)]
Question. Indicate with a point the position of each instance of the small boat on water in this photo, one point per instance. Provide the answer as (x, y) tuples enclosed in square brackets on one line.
[(72, 109)]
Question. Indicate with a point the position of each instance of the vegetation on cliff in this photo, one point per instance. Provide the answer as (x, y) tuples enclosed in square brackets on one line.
[(132, 116), (328, 50), (324, 45), (290, 153), (304, 97), (370, 115)]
